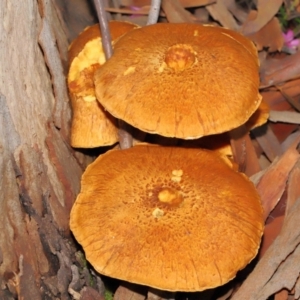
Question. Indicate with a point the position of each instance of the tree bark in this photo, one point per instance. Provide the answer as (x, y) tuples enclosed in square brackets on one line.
[(39, 172)]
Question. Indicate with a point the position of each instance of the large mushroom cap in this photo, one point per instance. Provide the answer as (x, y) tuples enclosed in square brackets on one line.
[(181, 80), (92, 126), (171, 218)]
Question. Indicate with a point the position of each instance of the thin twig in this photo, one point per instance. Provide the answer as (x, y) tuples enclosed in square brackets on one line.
[(154, 12), (106, 38)]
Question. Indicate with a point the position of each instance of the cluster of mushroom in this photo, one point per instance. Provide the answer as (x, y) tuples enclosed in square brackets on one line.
[(91, 125), (173, 218)]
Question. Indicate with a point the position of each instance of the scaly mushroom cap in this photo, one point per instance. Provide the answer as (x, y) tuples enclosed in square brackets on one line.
[(181, 80), (91, 126), (172, 218)]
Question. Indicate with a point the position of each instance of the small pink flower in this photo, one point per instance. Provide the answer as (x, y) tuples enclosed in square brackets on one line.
[(134, 8), (290, 41)]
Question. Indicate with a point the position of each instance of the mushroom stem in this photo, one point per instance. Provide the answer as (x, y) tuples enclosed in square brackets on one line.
[(243, 151), (125, 137), (106, 38), (154, 12)]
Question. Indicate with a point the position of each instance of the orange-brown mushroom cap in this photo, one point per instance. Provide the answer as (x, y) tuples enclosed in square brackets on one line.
[(260, 116), (181, 80), (92, 126), (171, 218)]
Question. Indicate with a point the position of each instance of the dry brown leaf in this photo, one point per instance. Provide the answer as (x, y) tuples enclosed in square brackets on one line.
[(175, 12), (144, 10), (297, 288), (282, 130), (291, 88), (269, 36), (267, 141), (275, 100), (294, 103), (279, 210), (151, 296), (262, 56), (201, 15), (271, 232), (273, 225), (220, 13), (236, 10), (88, 293), (278, 102), (272, 184), (291, 117), (130, 291), (263, 161), (277, 71), (293, 188), (279, 267), (289, 140), (266, 10), (285, 276), (184, 3)]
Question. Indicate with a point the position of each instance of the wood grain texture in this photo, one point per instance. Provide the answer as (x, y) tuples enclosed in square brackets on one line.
[(40, 173)]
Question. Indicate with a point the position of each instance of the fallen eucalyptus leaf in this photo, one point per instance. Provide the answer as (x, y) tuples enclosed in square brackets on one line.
[(269, 36), (130, 291), (291, 117), (293, 188), (184, 3), (277, 71), (176, 13), (220, 13), (272, 184), (279, 267), (266, 10), (267, 141)]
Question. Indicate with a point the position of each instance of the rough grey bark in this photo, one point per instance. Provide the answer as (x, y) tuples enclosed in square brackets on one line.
[(39, 172)]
